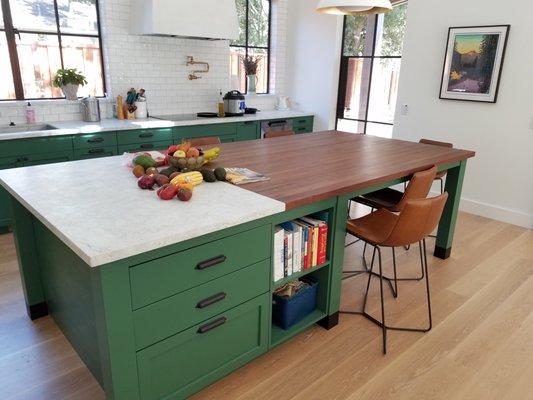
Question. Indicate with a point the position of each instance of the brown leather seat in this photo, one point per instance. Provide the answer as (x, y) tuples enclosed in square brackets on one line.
[(383, 228), (440, 174), (273, 134), (415, 222), (394, 200), (205, 141)]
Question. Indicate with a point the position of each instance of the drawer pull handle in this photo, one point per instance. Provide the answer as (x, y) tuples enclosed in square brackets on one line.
[(211, 262), (211, 300), (147, 146), (96, 151), (22, 159), (96, 140), (249, 122), (212, 325), (280, 122), (146, 135), (301, 121)]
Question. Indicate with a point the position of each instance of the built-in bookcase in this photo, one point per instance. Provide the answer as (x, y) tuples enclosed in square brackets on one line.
[(320, 274)]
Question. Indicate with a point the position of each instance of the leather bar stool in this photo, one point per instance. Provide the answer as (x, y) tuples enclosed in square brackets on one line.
[(274, 134), (205, 141), (383, 228), (440, 175), (418, 188)]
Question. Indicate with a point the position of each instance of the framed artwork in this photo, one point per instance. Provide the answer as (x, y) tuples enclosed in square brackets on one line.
[(473, 63)]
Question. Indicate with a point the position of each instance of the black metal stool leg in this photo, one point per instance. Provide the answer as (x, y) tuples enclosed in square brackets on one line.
[(383, 326)]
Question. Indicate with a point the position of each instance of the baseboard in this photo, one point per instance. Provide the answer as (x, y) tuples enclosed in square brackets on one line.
[(503, 214)]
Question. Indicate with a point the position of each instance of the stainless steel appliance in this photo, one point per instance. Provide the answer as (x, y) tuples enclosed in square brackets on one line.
[(275, 125), (234, 103), (90, 109)]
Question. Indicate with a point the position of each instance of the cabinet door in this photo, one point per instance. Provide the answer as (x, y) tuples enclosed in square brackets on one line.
[(226, 130), (96, 152), (303, 124), (47, 158), (5, 208), (181, 365), (92, 140), (144, 136), (248, 130)]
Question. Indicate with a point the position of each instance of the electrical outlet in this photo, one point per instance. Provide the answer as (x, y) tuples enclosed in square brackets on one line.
[(405, 109)]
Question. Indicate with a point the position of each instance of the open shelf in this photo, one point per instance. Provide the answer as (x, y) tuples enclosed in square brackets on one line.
[(280, 335), (297, 275)]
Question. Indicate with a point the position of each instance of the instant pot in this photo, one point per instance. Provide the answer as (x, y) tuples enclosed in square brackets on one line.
[(234, 103)]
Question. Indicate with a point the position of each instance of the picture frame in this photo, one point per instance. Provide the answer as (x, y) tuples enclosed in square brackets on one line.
[(473, 63)]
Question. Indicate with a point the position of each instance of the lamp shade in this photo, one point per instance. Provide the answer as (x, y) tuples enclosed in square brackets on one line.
[(353, 7)]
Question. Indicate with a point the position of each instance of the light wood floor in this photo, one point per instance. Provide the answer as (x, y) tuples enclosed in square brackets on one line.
[(481, 346)]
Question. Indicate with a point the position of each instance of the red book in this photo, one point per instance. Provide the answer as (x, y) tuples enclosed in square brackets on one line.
[(322, 243)]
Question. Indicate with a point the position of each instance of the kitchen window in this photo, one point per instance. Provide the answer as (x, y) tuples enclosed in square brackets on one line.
[(254, 40), (370, 71), (37, 37)]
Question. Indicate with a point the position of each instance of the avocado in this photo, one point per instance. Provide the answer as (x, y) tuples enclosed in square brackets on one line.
[(208, 175), (220, 173), (168, 171), (145, 161)]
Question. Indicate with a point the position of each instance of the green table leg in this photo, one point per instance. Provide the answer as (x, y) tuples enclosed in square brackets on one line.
[(454, 185), (339, 234), (28, 261)]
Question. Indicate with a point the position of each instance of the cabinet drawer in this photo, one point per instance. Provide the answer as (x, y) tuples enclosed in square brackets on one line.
[(169, 275), (144, 136), (94, 152), (11, 148), (189, 132), (147, 146), (104, 139), (302, 121), (183, 364), (174, 314), (302, 129)]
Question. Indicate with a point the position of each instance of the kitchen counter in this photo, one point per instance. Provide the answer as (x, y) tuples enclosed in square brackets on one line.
[(91, 203), (147, 290), (80, 127)]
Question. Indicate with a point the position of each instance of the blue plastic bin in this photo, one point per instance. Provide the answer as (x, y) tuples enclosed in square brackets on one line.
[(288, 311)]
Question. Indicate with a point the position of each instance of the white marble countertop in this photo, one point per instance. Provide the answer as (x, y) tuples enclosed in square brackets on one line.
[(96, 208), (80, 127)]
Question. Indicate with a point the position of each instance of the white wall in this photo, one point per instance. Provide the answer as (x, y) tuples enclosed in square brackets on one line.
[(157, 64), (499, 180), (314, 43)]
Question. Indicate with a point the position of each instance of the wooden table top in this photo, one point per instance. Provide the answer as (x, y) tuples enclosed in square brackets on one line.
[(307, 168)]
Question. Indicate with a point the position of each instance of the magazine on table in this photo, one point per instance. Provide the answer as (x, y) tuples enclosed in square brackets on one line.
[(240, 176)]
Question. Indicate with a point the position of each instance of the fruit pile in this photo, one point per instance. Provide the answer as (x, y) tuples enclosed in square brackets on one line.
[(173, 181), (188, 158)]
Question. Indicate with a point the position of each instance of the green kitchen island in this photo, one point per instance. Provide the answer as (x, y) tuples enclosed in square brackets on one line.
[(160, 299)]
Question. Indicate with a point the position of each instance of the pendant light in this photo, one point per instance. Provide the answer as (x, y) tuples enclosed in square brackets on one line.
[(353, 7)]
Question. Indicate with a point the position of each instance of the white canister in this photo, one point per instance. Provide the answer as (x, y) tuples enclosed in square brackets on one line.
[(142, 111)]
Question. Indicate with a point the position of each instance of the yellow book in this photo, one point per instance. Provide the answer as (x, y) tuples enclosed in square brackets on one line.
[(315, 247)]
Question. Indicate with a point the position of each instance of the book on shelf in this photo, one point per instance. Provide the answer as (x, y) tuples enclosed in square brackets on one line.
[(300, 244), (279, 254)]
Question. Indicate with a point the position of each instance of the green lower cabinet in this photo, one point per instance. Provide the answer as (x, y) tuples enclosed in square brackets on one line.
[(48, 158), (144, 136), (96, 152), (303, 124), (5, 211), (183, 364), (248, 130), (148, 146)]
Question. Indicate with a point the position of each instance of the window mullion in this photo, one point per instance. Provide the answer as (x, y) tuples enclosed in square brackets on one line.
[(12, 49), (59, 38)]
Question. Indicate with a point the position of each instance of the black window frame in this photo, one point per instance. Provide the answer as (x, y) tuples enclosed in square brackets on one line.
[(11, 32), (247, 46), (343, 75)]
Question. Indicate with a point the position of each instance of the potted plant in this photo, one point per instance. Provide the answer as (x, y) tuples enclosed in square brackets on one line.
[(251, 65), (69, 80)]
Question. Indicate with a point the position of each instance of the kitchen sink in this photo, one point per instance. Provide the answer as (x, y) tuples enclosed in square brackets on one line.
[(26, 128)]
